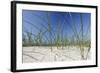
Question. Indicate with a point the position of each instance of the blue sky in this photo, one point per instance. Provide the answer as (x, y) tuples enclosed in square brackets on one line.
[(36, 21)]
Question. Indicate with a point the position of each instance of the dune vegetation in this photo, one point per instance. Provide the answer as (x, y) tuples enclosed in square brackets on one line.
[(62, 30)]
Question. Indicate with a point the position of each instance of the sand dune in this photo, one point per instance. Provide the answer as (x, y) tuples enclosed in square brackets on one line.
[(45, 54)]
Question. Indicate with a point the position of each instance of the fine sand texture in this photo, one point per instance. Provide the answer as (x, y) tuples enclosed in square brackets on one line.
[(47, 54)]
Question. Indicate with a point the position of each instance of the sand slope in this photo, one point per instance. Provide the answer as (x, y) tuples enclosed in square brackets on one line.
[(44, 54)]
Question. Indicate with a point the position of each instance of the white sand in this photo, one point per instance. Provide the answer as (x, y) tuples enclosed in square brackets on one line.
[(44, 54)]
